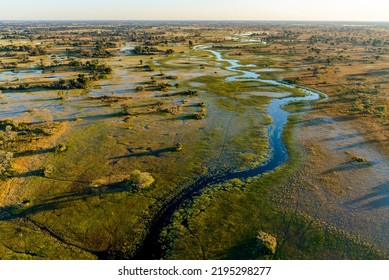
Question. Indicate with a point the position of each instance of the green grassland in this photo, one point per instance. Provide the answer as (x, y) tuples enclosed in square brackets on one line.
[(224, 220), (73, 194), (85, 206)]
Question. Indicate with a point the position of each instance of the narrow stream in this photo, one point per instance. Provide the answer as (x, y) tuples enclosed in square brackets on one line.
[(150, 248)]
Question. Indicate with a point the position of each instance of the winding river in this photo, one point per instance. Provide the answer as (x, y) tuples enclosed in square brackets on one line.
[(150, 248)]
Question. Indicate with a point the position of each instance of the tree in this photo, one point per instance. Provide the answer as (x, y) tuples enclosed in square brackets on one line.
[(6, 159), (141, 180), (169, 51)]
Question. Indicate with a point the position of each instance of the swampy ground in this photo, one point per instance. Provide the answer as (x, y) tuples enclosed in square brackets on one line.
[(88, 164)]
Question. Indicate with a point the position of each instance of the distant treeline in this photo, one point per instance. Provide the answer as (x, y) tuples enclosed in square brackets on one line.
[(13, 48), (146, 50), (99, 50)]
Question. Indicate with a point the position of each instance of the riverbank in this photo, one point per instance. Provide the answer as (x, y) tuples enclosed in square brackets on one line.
[(179, 136), (277, 154), (188, 234), (223, 222)]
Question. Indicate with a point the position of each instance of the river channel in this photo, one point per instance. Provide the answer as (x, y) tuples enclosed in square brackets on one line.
[(278, 155)]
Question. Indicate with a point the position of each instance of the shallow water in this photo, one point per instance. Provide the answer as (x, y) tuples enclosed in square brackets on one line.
[(278, 155), (269, 70), (278, 152), (10, 75), (35, 106)]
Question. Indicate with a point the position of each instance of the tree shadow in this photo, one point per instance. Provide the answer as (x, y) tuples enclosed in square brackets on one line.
[(12, 113), (321, 107), (379, 198), (34, 152), (355, 145), (245, 250), (349, 136), (32, 173), (315, 122), (155, 153), (324, 121), (194, 117), (378, 72), (179, 93), (350, 165), (64, 200), (92, 117), (45, 99)]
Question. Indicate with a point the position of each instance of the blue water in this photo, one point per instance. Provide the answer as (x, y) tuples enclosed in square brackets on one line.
[(18, 75), (278, 152), (278, 155)]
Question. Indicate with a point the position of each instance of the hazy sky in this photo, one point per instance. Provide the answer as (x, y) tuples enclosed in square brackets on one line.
[(364, 10)]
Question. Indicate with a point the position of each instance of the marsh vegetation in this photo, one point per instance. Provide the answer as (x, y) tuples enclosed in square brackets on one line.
[(106, 127)]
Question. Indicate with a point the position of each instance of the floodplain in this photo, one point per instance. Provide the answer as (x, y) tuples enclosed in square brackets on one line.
[(194, 140)]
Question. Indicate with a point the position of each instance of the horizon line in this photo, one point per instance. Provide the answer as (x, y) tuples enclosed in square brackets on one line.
[(192, 20)]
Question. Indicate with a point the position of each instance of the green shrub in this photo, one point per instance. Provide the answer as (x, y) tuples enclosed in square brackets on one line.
[(266, 243), (381, 108), (48, 170), (6, 169), (200, 116), (358, 159), (140, 88), (177, 147), (60, 148), (141, 180)]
